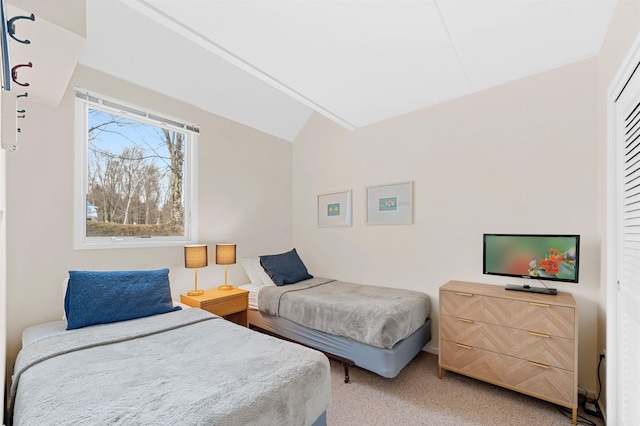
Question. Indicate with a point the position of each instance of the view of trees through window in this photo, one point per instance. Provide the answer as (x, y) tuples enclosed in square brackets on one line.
[(135, 178)]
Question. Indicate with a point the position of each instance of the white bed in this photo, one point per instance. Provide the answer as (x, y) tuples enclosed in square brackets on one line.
[(178, 367)]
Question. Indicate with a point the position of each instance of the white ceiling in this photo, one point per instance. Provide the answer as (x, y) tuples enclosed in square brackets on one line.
[(269, 64)]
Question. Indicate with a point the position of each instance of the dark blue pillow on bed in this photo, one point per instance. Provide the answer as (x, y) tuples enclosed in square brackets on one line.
[(285, 268), (95, 297)]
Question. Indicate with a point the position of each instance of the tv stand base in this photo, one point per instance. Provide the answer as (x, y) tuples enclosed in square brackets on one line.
[(541, 290)]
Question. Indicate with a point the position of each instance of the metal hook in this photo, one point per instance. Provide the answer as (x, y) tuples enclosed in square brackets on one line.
[(12, 27), (14, 73), (21, 111), (22, 116), (24, 95)]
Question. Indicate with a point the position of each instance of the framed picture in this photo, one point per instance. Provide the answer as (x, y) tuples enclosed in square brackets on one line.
[(390, 204), (334, 209)]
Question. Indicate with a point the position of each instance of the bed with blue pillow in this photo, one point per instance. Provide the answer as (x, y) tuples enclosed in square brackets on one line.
[(377, 328), (125, 354)]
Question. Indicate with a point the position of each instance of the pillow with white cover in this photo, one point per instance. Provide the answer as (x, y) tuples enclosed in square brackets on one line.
[(256, 272), (249, 268), (95, 297)]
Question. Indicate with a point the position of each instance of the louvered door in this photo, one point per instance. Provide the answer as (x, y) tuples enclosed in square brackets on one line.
[(624, 306)]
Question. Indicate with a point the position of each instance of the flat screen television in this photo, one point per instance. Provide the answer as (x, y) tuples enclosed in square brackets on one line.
[(533, 256)]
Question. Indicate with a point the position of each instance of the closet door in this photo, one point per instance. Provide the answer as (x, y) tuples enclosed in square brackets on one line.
[(623, 311)]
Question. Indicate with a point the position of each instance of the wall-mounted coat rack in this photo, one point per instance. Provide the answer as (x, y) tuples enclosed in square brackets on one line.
[(12, 27), (10, 128), (4, 45), (14, 73)]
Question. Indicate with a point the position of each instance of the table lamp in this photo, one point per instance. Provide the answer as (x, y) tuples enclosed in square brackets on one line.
[(195, 256), (225, 255)]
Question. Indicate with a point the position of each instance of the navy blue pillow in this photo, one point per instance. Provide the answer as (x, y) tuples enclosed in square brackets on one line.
[(95, 297), (285, 268)]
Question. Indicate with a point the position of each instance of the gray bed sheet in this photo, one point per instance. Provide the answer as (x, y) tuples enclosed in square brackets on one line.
[(187, 367), (382, 361)]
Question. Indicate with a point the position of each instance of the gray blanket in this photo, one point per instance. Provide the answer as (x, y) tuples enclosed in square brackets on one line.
[(377, 316), (181, 368)]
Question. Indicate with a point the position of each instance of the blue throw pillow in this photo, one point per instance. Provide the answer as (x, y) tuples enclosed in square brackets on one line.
[(285, 268), (95, 297)]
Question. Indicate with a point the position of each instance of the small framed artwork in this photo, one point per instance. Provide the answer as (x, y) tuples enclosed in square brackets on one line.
[(390, 204), (334, 209)]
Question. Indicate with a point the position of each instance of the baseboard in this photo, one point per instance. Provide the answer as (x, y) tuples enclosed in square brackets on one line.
[(431, 349)]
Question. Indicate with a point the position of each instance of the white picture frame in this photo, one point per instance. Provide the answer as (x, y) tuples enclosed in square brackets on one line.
[(390, 204), (334, 209)]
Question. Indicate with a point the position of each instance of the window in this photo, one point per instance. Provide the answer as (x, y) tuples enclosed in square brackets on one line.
[(135, 176)]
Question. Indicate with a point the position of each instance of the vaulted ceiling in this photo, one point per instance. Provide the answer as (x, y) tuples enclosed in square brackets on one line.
[(270, 64)]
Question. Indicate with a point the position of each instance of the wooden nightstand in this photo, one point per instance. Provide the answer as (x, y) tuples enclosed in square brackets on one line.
[(232, 304)]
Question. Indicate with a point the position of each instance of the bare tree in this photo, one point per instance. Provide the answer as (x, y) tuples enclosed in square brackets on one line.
[(110, 180), (174, 141), (132, 169), (150, 193)]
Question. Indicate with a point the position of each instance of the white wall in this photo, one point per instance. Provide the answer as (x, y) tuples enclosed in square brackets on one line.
[(244, 198), (518, 158)]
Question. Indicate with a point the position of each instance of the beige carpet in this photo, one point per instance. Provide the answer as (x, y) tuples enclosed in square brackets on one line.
[(417, 397)]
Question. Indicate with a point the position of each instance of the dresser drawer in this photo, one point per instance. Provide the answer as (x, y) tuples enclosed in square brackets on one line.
[(531, 316), (537, 380), (225, 307), (541, 348)]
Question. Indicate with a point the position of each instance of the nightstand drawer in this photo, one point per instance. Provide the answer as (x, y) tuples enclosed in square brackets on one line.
[(226, 307)]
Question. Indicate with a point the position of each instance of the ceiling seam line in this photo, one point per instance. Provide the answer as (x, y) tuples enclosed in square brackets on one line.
[(453, 43), (249, 68)]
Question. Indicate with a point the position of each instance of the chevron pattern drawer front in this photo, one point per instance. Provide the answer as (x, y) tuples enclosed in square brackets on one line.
[(542, 317), (532, 346), (525, 342)]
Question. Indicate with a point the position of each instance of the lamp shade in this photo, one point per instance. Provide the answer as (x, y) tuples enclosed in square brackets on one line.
[(195, 256), (225, 254)]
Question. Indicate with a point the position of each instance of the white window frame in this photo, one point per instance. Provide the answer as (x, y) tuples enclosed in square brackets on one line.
[(84, 100)]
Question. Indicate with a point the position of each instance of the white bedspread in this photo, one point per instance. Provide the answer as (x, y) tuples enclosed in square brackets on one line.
[(181, 368)]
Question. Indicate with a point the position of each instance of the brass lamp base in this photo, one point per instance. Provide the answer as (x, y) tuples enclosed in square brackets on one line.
[(195, 293), (226, 287)]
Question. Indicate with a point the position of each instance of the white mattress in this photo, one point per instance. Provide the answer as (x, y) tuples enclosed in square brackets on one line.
[(254, 289), (40, 331)]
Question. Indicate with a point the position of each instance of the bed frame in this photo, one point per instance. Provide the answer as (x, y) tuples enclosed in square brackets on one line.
[(384, 362)]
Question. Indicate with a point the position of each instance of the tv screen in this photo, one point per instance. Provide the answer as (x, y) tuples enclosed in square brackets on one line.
[(546, 257)]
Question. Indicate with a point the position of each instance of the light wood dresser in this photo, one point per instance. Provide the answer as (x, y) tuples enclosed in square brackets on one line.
[(522, 341)]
